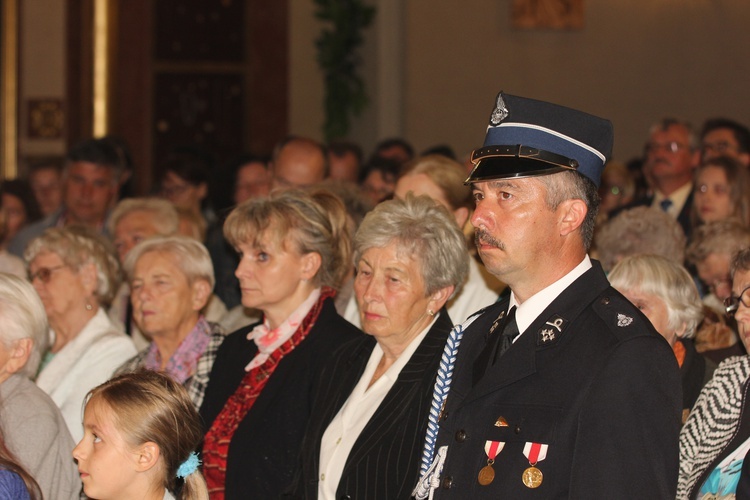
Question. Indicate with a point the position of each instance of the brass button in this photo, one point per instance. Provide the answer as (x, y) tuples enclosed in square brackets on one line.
[(461, 436), (447, 483)]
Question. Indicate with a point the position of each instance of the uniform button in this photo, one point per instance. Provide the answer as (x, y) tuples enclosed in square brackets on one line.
[(605, 300), (461, 436), (517, 430), (346, 497), (447, 483), (444, 416)]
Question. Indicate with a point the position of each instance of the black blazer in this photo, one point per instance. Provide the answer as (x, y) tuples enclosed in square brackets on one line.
[(601, 389), (384, 461), (264, 449)]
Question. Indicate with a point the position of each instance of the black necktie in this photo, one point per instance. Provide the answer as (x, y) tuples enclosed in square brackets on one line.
[(509, 333), (500, 339)]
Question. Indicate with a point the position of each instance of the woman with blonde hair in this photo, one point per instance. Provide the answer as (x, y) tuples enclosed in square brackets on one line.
[(295, 248), (721, 187)]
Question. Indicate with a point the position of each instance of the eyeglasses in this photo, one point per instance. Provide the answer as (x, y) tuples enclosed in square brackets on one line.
[(719, 147), (733, 303), (669, 147), (44, 273)]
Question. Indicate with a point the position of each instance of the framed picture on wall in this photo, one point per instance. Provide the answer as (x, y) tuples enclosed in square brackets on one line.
[(547, 14)]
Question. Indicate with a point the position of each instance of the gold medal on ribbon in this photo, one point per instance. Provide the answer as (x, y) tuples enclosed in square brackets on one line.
[(535, 453), (532, 477), (487, 473)]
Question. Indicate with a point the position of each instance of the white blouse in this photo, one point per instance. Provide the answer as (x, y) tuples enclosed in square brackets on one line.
[(347, 425)]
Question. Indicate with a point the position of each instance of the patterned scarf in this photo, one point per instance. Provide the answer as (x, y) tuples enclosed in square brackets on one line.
[(219, 436), (183, 362)]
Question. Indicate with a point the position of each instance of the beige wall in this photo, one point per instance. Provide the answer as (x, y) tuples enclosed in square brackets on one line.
[(634, 62), (42, 67)]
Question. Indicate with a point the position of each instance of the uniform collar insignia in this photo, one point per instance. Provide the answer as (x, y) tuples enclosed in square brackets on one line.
[(551, 330), (623, 320)]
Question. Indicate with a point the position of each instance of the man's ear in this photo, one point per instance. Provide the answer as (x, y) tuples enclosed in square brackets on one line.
[(573, 213), (147, 456)]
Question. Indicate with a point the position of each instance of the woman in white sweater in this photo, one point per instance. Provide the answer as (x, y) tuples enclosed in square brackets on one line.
[(75, 274)]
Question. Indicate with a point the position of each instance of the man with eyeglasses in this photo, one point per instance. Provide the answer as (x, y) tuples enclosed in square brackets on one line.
[(671, 154), (725, 137)]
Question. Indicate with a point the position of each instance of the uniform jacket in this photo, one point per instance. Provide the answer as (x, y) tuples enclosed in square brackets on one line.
[(601, 389), (384, 461), (264, 449)]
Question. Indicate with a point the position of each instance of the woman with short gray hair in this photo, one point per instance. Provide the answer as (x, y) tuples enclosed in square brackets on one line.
[(665, 292), (75, 273), (373, 398), (171, 279)]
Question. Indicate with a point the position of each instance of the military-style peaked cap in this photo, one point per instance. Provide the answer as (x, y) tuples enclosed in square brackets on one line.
[(526, 137)]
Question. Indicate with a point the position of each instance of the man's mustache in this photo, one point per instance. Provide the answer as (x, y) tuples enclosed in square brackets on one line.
[(482, 237)]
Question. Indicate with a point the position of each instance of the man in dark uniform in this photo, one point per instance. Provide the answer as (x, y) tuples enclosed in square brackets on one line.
[(564, 390)]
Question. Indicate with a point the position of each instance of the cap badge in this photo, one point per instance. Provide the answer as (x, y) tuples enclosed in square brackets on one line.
[(623, 320), (500, 112)]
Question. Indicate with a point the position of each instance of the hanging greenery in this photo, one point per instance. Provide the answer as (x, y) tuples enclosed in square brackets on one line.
[(339, 60)]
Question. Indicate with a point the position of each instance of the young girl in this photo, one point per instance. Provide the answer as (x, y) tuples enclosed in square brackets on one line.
[(140, 433)]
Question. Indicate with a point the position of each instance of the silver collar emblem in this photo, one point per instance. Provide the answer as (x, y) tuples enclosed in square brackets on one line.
[(623, 320)]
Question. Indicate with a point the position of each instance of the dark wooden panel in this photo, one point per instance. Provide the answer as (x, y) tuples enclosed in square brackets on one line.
[(199, 30), (201, 109), (268, 75), (131, 107)]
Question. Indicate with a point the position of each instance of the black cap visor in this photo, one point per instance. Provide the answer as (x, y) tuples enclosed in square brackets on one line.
[(502, 162)]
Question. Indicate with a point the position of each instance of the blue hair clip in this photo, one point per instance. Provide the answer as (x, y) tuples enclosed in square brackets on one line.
[(189, 466)]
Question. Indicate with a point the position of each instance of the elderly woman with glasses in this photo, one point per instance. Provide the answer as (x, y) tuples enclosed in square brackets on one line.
[(32, 426), (76, 275), (365, 435), (716, 437)]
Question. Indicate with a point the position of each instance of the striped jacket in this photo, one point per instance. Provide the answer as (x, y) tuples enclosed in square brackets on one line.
[(713, 424)]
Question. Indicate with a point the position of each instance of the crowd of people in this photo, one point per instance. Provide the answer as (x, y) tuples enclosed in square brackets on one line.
[(536, 321)]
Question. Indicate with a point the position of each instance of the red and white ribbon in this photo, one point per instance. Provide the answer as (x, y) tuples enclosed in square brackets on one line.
[(492, 448), (535, 452)]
